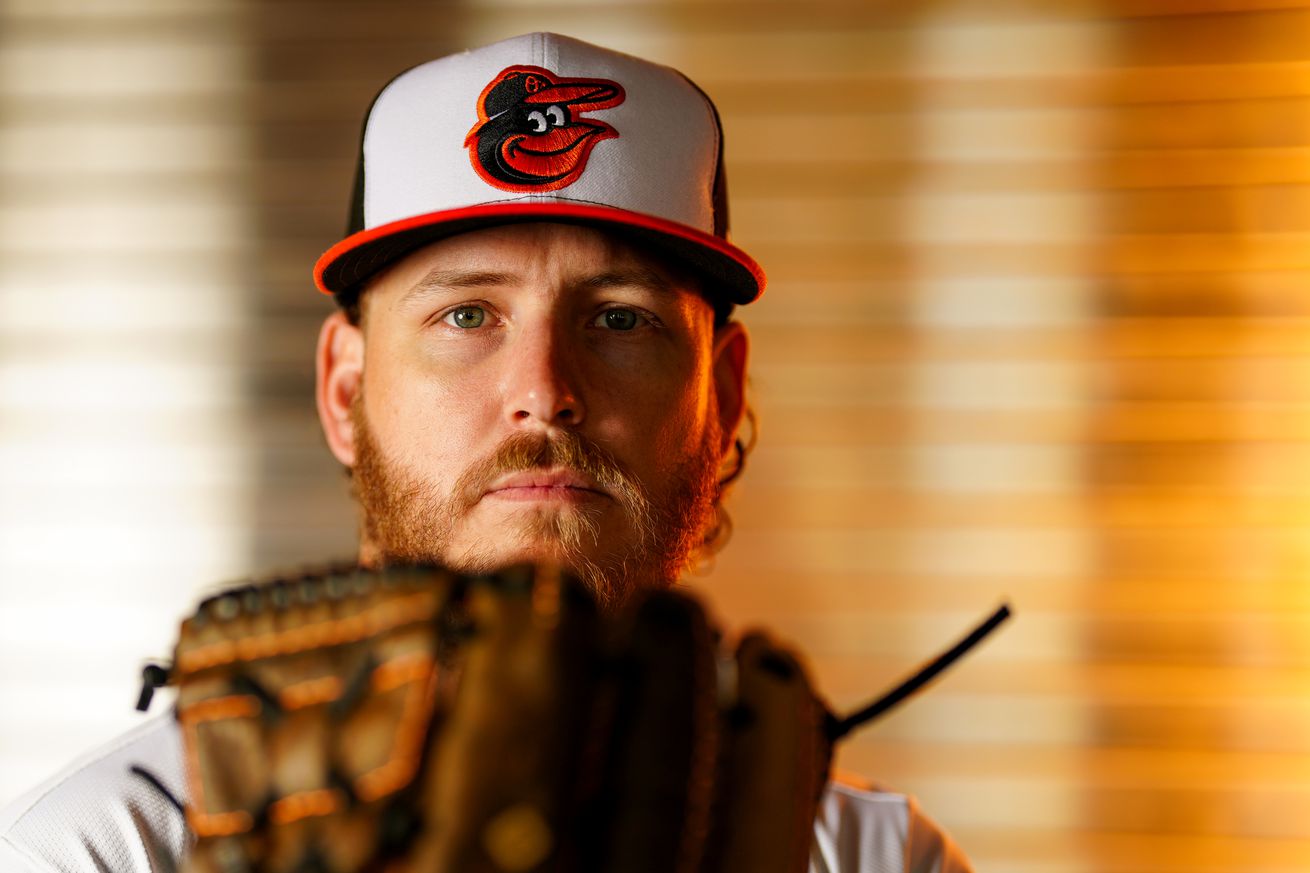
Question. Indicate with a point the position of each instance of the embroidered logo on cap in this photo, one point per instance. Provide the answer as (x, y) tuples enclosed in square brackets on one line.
[(530, 135)]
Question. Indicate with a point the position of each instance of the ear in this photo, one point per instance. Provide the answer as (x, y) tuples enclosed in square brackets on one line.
[(731, 346), (340, 360)]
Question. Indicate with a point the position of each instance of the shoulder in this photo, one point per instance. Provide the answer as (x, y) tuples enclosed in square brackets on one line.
[(102, 813), (862, 828)]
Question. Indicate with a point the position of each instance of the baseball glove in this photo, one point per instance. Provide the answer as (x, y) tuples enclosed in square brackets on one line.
[(414, 719)]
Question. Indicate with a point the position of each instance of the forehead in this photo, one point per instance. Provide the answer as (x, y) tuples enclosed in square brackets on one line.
[(569, 253)]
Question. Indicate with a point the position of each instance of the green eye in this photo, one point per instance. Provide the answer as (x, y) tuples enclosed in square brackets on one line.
[(466, 316), (620, 319)]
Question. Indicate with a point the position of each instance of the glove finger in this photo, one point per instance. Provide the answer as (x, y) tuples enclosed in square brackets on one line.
[(775, 763), (656, 795), (503, 760)]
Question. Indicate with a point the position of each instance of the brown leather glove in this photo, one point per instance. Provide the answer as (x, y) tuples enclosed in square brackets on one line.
[(413, 719)]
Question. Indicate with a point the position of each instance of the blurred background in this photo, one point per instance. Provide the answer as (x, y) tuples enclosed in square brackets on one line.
[(1037, 328)]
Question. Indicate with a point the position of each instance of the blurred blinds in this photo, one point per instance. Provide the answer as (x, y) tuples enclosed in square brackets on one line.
[(318, 67), (1034, 329), (926, 198), (123, 252)]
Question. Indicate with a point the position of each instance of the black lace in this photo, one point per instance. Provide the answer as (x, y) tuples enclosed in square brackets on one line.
[(840, 727)]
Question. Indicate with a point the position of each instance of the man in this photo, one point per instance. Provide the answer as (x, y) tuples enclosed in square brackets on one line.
[(579, 400), (533, 360)]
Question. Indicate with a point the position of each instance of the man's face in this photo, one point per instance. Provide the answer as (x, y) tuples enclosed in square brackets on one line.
[(533, 392)]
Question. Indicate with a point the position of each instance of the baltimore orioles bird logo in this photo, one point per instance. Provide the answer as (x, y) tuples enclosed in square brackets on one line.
[(529, 136)]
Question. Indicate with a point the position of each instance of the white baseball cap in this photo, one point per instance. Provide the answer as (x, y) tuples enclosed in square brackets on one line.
[(542, 127)]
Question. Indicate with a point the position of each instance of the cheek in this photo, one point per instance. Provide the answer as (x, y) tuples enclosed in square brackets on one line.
[(424, 420), (665, 418)]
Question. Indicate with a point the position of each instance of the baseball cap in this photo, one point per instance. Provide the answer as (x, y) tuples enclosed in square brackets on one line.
[(542, 127)]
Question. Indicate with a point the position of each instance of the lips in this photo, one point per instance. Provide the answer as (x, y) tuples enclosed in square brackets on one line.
[(566, 485)]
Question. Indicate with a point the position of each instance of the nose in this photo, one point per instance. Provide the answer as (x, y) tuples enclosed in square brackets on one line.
[(541, 384)]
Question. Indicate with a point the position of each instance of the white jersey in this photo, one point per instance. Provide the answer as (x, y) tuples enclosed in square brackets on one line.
[(103, 815)]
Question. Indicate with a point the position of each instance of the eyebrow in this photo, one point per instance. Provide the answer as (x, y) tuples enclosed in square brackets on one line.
[(460, 280), (632, 277), (456, 280)]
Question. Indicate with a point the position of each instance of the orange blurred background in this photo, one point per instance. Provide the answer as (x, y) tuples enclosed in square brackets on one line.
[(1037, 328)]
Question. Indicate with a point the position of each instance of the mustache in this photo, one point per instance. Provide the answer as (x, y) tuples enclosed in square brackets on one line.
[(524, 452)]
